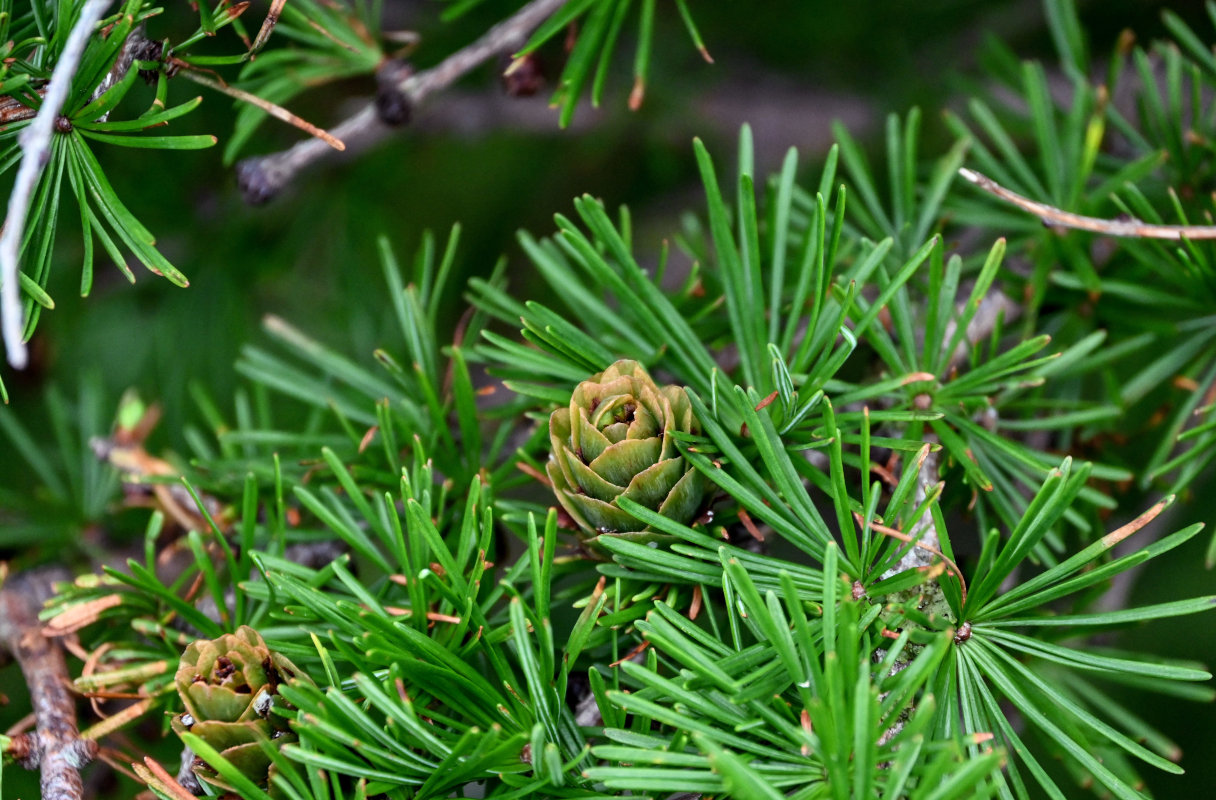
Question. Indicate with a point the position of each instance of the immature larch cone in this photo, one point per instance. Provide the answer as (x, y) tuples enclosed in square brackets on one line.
[(229, 686), (616, 440)]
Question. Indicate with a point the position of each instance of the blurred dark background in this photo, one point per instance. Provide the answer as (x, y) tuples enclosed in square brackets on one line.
[(498, 165)]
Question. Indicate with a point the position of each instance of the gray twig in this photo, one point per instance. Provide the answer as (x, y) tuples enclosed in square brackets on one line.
[(994, 305), (262, 178), (36, 151), (56, 747), (1130, 228), (186, 776), (923, 532)]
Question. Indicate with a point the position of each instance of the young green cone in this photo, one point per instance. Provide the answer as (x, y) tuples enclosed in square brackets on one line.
[(615, 440), (229, 686)]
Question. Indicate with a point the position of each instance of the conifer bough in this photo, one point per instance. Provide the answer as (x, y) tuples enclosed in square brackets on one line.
[(616, 439)]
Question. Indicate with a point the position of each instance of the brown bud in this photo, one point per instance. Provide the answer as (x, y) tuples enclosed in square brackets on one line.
[(148, 50), (392, 105), (25, 749), (524, 76)]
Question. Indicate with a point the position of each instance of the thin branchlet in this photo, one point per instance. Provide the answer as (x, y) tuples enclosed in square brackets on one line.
[(35, 152), (1059, 218), (262, 178)]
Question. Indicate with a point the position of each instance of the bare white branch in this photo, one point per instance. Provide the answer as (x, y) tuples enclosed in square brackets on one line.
[(35, 152)]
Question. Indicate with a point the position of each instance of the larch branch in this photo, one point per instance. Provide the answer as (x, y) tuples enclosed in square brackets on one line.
[(35, 152), (1050, 215), (56, 747), (261, 178)]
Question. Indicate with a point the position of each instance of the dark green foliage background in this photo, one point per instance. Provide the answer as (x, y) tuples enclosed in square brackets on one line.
[(310, 256)]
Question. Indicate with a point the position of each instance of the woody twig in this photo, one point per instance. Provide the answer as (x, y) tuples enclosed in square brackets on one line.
[(262, 178), (1122, 227), (55, 747)]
